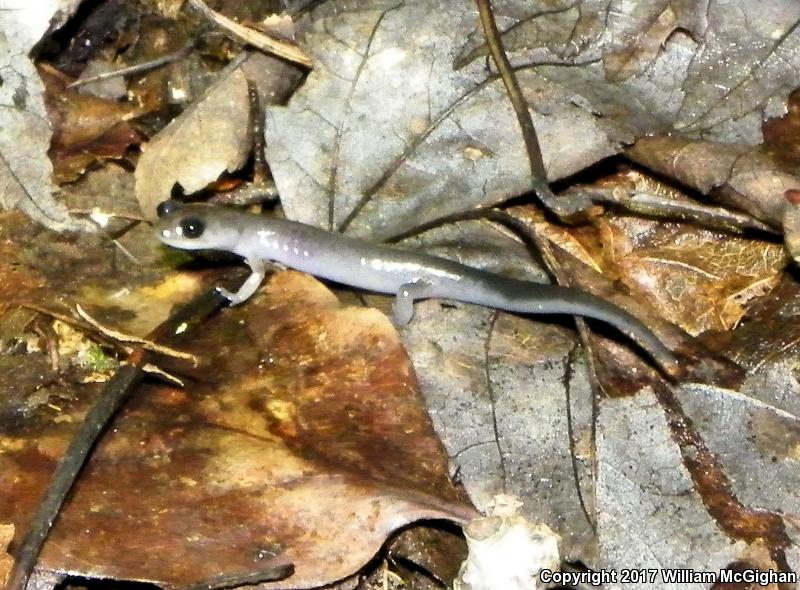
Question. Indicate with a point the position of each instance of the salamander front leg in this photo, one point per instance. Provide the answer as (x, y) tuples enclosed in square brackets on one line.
[(259, 271), (403, 308)]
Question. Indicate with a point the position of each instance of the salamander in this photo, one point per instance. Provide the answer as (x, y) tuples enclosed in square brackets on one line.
[(382, 269)]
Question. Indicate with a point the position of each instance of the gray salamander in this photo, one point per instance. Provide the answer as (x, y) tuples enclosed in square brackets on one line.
[(382, 269)]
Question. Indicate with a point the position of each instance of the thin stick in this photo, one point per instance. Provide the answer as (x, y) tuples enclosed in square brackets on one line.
[(278, 572), (136, 68), (538, 173), (669, 208), (252, 37), (143, 342)]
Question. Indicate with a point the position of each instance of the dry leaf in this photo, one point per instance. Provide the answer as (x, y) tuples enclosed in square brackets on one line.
[(698, 279), (304, 426), (791, 223), (6, 561), (86, 128), (386, 135), (210, 137), (649, 513), (25, 170)]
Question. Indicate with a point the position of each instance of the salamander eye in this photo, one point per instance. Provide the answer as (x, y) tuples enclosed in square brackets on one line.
[(192, 227)]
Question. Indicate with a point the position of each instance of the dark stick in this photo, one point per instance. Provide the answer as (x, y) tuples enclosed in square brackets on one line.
[(262, 189), (114, 395), (272, 574), (538, 173)]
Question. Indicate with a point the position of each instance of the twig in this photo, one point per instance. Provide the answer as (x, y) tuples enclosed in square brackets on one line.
[(136, 68), (538, 174), (113, 397), (666, 207), (79, 325), (252, 37), (539, 177), (262, 189), (142, 342)]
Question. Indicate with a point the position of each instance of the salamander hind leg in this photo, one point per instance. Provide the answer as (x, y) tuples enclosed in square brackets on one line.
[(403, 308)]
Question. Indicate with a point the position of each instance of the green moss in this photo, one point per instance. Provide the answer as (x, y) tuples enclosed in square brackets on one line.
[(96, 359)]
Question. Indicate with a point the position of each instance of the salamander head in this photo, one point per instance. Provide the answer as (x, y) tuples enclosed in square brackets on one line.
[(198, 227)]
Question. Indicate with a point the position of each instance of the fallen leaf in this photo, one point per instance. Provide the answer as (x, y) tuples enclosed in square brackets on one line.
[(791, 223), (6, 561), (194, 149), (86, 128), (766, 343), (698, 279), (780, 134), (103, 24), (210, 137), (25, 170), (112, 88), (740, 176), (385, 135), (435, 552), (305, 426), (650, 517)]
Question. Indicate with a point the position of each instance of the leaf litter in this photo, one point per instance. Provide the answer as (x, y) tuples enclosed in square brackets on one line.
[(309, 440), (25, 170), (439, 140), (403, 123)]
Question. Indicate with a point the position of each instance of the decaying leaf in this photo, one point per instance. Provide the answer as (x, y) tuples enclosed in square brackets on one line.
[(303, 427), (699, 279), (25, 170), (432, 551), (791, 223), (86, 128), (780, 134), (649, 514), (106, 84), (212, 136), (347, 152), (301, 438), (768, 341)]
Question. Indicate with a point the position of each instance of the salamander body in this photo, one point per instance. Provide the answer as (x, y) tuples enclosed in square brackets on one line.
[(382, 269)]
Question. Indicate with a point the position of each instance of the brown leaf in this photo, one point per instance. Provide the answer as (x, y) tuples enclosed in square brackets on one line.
[(436, 552), (303, 436), (767, 342), (86, 128), (791, 223), (387, 135), (6, 561), (781, 134), (698, 279), (643, 35), (18, 282)]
